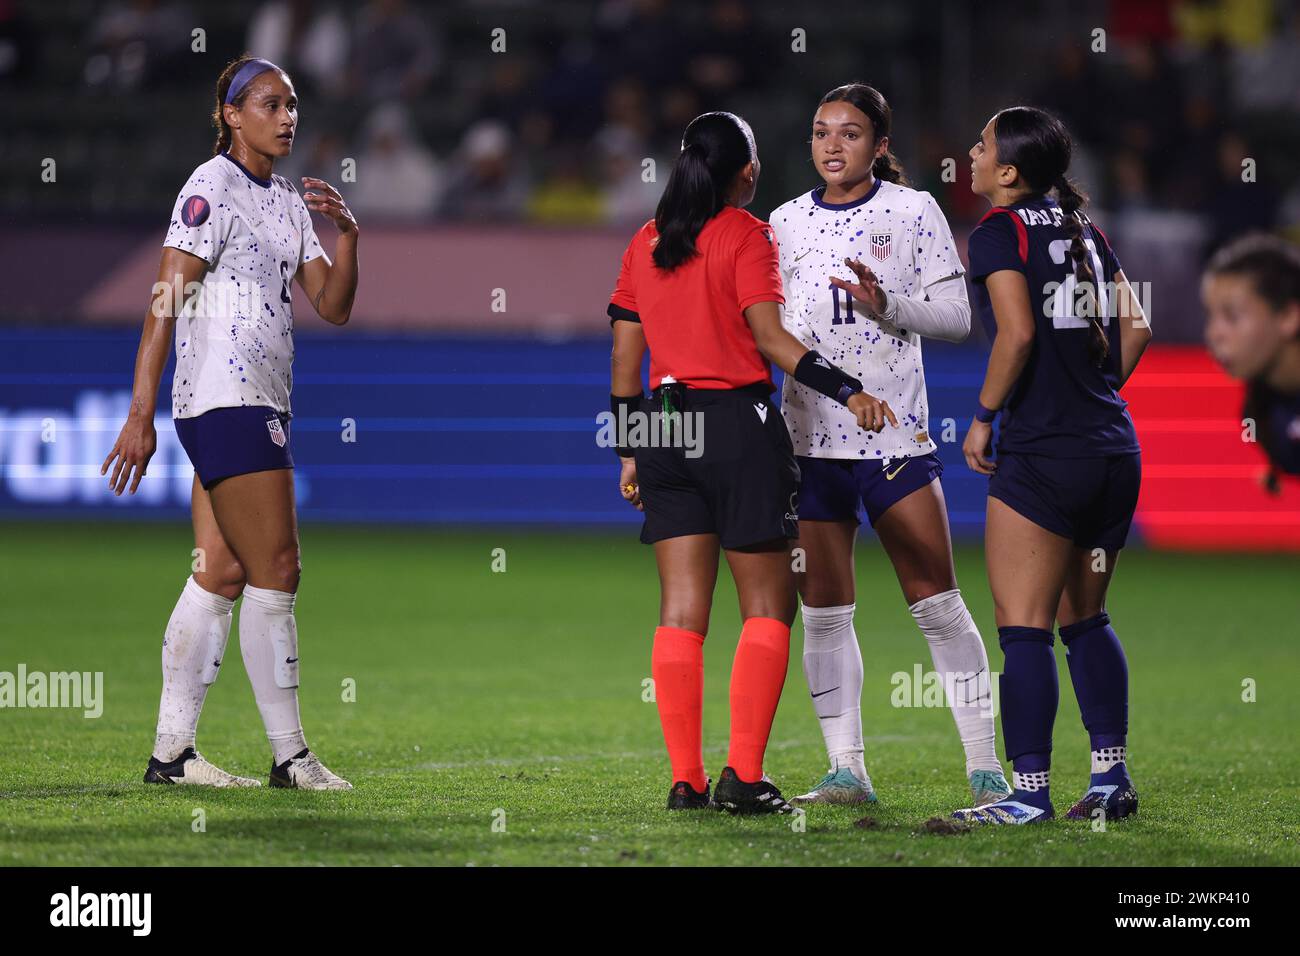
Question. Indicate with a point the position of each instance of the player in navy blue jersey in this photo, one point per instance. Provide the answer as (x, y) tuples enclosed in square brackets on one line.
[(1251, 292), (1069, 333)]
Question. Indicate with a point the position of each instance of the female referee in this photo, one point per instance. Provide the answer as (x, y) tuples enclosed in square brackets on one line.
[(700, 287), (1064, 487), (1251, 292), (873, 329), (238, 234)]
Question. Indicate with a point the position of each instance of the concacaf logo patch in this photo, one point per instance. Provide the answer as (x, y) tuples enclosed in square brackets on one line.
[(194, 211), (277, 433)]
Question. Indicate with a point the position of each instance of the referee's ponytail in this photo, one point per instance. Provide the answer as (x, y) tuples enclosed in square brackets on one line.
[(715, 147)]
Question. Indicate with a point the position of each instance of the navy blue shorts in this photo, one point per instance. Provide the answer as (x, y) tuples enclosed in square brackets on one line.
[(226, 442), (832, 488), (1088, 500)]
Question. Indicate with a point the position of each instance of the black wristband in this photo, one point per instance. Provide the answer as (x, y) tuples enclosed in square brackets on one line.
[(616, 403), (821, 376)]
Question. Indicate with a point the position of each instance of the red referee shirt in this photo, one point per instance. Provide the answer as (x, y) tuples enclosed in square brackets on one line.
[(693, 317)]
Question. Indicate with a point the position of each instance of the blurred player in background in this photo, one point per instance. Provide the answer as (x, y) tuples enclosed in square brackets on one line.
[(872, 327), (1251, 292), (700, 287), (1064, 487), (239, 234)]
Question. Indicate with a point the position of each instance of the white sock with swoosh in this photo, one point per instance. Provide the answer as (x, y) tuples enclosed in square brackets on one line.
[(832, 663), (268, 639), (963, 666)]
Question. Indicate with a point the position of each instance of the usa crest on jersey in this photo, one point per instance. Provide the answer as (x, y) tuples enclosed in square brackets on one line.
[(882, 245)]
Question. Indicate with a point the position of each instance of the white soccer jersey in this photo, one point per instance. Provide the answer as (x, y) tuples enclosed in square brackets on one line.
[(903, 237), (234, 342)]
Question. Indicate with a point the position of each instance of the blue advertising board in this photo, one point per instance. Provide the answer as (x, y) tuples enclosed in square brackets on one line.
[(385, 429)]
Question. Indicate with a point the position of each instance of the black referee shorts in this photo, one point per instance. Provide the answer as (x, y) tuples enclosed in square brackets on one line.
[(744, 484)]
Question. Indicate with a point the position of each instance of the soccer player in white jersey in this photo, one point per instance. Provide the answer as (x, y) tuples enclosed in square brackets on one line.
[(239, 235), (869, 267)]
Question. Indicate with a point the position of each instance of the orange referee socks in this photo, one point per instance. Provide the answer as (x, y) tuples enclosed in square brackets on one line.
[(757, 676), (677, 666)]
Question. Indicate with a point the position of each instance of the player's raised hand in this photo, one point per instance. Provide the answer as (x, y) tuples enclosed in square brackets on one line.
[(978, 448), (866, 290), (871, 412), (135, 445), (323, 198), (627, 484)]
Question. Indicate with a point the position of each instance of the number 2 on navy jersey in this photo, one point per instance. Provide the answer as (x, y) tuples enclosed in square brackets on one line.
[(1066, 294), (847, 317)]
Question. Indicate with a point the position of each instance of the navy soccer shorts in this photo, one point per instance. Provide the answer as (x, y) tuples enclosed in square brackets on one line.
[(226, 442), (833, 488), (1088, 500)]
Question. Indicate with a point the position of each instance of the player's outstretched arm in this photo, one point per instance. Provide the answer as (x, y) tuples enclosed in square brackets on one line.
[(137, 441), (809, 368), (1134, 330), (331, 286)]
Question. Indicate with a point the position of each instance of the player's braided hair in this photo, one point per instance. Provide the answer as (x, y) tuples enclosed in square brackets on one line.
[(872, 102), (1072, 199), (715, 147), (223, 85), (1273, 267), (1039, 146)]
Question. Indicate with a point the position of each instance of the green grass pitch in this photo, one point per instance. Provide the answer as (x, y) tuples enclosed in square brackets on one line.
[(499, 717)]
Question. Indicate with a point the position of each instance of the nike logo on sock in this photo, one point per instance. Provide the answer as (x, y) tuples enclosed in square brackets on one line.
[(825, 692), (291, 660)]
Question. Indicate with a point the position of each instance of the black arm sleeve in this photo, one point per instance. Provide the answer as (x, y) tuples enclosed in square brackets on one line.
[(821, 376), (617, 312), (617, 403)]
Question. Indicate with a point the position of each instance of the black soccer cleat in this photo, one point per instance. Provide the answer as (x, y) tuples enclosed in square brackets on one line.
[(168, 773), (735, 796), (685, 797), (192, 769), (304, 771)]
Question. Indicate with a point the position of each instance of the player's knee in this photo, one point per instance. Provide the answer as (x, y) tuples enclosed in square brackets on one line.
[(918, 589), (819, 592), (1070, 614), (226, 579), (777, 608), (286, 570), (687, 617)]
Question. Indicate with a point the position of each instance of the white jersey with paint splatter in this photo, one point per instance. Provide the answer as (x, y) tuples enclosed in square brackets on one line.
[(234, 340), (902, 235)]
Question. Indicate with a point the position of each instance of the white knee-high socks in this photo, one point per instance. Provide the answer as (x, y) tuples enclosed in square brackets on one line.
[(193, 646), (962, 664), (268, 639)]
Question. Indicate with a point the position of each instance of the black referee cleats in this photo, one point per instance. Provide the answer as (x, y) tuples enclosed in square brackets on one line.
[(685, 797), (735, 796)]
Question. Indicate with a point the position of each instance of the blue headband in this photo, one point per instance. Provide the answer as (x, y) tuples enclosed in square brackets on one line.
[(252, 68)]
